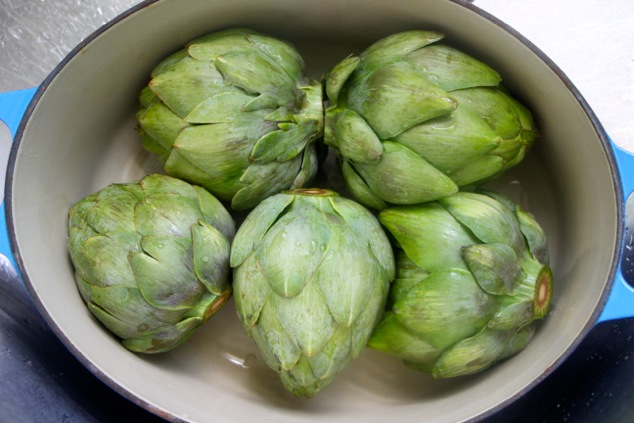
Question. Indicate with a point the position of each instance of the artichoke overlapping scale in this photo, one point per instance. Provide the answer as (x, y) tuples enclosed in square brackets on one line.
[(234, 113), (472, 280), (414, 120), (311, 277), (151, 259)]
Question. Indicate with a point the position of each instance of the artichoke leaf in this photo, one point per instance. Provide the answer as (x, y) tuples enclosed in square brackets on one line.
[(250, 293), (495, 266), (406, 268), (472, 355), (112, 214), (452, 69), (124, 311), (216, 154), (257, 74), (77, 215), (355, 139), (147, 97), (344, 278), (396, 97), (396, 47), (83, 286), (445, 307), (513, 314), (518, 341), (397, 177), (299, 241), (338, 76), (367, 228), (222, 107), (489, 220), (391, 337), (281, 52), (359, 189), (275, 344), (161, 124), (211, 256), (186, 84), (215, 213), (494, 106), (180, 166), (265, 179), (309, 168), (168, 63), (285, 143), (158, 186), (451, 141), (478, 170), (106, 259), (155, 215), (439, 236), (209, 46), (164, 338), (151, 145), (327, 362), (256, 225), (305, 318), (534, 234), (301, 381), (164, 273), (370, 316)]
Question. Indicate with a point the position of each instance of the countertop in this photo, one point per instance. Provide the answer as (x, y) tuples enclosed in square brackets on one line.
[(591, 41)]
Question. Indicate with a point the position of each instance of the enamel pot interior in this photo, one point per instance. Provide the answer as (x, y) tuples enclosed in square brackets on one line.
[(79, 136)]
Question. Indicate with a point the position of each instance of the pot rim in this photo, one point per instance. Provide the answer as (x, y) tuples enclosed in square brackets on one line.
[(116, 386)]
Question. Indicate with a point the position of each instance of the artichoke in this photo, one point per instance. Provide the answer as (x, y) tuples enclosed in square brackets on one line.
[(472, 280), (234, 113), (151, 259), (311, 276), (414, 120)]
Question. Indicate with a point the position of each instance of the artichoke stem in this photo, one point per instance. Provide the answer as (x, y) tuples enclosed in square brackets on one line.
[(543, 292), (319, 192), (217, 305), (537, 285)]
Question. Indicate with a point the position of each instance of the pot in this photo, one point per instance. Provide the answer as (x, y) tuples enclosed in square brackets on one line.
[(77, 136)]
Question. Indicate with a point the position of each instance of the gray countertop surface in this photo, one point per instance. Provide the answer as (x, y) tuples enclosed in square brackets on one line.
[(591, 41)]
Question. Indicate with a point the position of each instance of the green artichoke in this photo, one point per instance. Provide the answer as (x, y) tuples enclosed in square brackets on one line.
[(151, 259), (311, 277), (413, 120), (234, 113), (472, 280)]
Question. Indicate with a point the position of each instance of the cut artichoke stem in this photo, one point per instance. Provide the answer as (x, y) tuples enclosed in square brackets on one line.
[(318, 192), (217, 305), (536, 286), (543, 292)]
